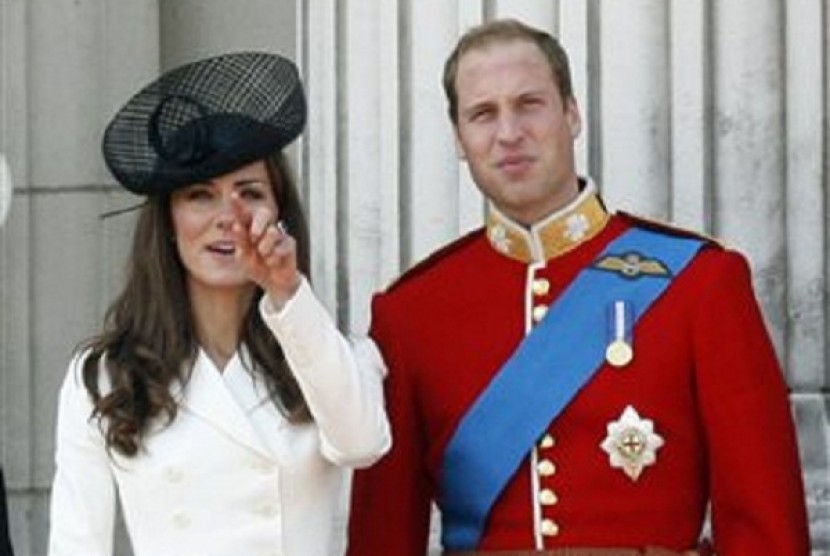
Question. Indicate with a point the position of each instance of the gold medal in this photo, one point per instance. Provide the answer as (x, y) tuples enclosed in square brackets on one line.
[(619, 353)]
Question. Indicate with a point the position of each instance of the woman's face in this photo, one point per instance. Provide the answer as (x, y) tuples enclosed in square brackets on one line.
[(203, 215)]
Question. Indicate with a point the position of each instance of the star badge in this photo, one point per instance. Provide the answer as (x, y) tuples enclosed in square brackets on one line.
[(498, 236), (577, 226), (631, 443)]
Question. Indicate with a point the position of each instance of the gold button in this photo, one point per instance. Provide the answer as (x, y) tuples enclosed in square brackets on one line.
[(540, 286), (549, 528), (174, 474), (539, 312), (547, 497), (546, 468), (547, 441)]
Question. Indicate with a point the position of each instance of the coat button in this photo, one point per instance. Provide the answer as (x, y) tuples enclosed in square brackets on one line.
[(546, 468), (540, 286), (549, 528), (173, 474), (180, 520), (539, 312), (547, 497), (547, 442)]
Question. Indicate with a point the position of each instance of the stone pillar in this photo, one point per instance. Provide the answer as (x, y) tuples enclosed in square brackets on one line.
[(635, 113)]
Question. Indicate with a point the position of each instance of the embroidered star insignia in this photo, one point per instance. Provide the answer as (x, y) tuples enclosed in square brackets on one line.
[(631, 443), (632, 265), (577, 226), (498, 236)]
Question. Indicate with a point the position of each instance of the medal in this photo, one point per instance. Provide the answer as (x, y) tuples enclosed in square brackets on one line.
[(619, 352)]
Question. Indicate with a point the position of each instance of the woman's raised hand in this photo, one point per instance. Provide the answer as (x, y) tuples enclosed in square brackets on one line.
[(267, 250)]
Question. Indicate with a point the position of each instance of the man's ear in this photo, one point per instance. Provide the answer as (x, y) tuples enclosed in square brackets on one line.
[(573, 117), (459, 147)]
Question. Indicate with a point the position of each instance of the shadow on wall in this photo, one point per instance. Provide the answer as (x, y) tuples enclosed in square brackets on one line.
[(5, 203), (5, 188)]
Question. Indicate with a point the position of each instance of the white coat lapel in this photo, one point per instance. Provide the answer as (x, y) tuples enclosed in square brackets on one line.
[(207, 396)]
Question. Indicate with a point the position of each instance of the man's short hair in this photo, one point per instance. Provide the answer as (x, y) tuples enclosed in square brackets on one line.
[(501, 31)]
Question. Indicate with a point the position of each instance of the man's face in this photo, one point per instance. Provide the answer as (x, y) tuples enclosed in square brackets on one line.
[(515, 130)]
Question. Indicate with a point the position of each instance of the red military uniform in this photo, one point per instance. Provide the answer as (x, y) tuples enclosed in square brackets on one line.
[(704, 372)]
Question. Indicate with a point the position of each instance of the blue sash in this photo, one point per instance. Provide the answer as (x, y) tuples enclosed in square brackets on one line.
[(545, 372)]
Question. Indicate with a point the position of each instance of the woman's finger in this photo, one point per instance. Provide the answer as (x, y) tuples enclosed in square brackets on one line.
[(240, 211), (261, 222)]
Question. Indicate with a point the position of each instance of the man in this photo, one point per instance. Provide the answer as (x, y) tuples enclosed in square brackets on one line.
[(566, 378)]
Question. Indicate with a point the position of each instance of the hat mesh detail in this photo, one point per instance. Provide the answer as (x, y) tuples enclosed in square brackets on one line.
[(203, 119)]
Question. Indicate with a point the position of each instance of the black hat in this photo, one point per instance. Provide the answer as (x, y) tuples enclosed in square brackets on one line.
[(205, 119)]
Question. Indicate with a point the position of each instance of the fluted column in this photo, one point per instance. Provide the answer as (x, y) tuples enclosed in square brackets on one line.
[(806, 194), (634, 107), (430, 186), (691, 160), (805, 212), (748, 144), (66, 66)]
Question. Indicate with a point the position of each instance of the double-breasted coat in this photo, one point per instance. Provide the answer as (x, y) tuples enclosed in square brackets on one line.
[(229, 475)]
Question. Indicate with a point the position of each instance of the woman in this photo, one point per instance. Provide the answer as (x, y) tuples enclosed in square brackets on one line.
[(220, 404)]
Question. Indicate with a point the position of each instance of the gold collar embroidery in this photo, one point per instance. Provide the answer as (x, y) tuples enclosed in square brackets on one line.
[(557, 234)]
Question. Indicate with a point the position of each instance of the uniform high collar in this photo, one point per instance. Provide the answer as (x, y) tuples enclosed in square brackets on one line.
[(556, 234)]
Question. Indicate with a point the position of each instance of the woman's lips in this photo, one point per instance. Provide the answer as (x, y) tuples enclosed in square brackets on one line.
[(222, 247)]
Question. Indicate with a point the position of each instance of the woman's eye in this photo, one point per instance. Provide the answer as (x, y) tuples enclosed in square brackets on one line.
[(198, 194), (252, 193)]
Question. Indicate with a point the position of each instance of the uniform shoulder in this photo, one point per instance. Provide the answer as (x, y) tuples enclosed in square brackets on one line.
[(667, 228), (716, 259), (426, 265)]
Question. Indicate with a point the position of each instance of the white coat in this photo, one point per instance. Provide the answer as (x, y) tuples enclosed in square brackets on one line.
[(230, 476)]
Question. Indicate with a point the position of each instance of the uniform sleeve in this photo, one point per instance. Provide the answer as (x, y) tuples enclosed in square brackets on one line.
[(391, 501), (757, 494), (82, 512), (342, 382)]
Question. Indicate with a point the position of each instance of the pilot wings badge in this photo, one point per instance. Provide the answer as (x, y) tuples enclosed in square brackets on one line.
[(632, 265)]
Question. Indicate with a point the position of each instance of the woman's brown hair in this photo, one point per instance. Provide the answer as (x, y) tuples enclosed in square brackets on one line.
[(148, 342)]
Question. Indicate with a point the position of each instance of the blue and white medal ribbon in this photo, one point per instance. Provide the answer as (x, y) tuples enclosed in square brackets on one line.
[(619, 352)]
